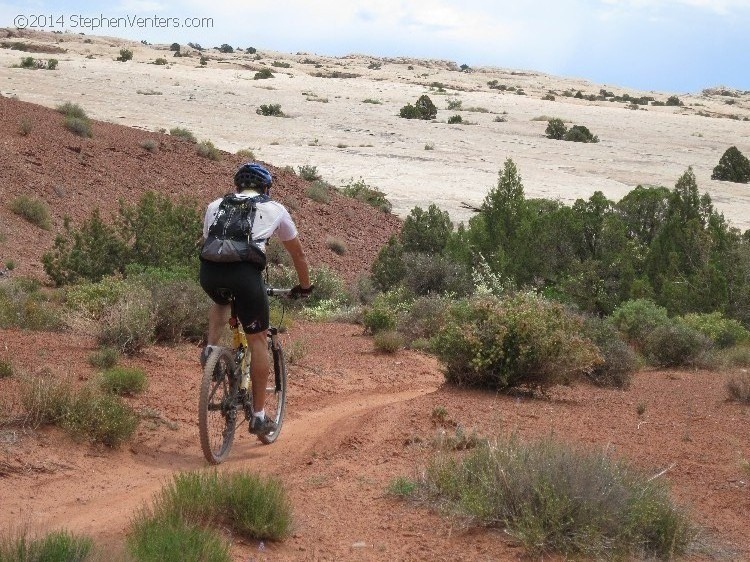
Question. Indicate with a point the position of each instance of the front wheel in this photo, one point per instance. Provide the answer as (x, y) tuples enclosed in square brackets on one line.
[(275, 391), (217, 406)]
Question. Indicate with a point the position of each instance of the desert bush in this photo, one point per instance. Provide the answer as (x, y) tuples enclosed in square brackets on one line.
[(455, 119), (557, 499), (25, 127), (738, 356), (336, 245), (367, 194), (329, 286), (169, 538), (125, 55), (6, 369), (246, 153), (733, 166), (638, 318), (28, 62), (388, 268), (432, 273), (149, 144), (92, 299), (388, 341), (410, 112), (203, 60), (556, 129), (378, 319), (129, 324), (226, 48), (56, 546), (523, 340), (426, 231), (104, 358), (253, 507), (580, 133), (619, 360), (738, 387), (281, 64), (422, 109), (180, 306), (674, 100), (263, 74), (45, 399), (308, 172), (69, 109), (160, 61), (78, 126), (123, 381), (454, 105), (270, 110), (675, 345), (33, 210), (723, 332), (206, 149), (182, 133), (24, 305), (424, 318), (100, 418), (175, 47), (318, 191)]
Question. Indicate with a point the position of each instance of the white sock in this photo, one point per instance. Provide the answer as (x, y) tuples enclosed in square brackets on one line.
[(260, 414)]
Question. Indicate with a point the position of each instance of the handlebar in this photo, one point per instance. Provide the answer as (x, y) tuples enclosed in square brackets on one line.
[(273, 292)]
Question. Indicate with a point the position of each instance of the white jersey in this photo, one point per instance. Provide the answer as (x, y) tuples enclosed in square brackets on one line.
[(271, 217)]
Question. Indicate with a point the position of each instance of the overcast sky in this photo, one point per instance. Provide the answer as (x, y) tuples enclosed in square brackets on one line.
[(668, 45)]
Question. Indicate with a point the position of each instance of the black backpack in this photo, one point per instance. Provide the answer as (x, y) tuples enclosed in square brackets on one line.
[(230, 235)]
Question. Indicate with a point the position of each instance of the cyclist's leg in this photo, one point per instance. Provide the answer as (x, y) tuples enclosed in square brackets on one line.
[(260, 368)]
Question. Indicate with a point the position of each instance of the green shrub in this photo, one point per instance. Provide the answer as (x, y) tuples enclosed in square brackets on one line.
[(226, 48), (160, 61), (169, 538), (738, 356), (56, 546), (378, 319), (28, 62), (206, 149), (676, 345), (556, 129), (520, 341), (123, 381), (422, 109), (674, 100), (25, 127), (388, 341), (100, 418), (424, 317), (270, 110), (182, 133), (429, 273), (309, 173), (45, 399), (723, 332), (738, 387), (733, 166), (253, 507), (175, 47), (367, 194), (125, 55), (263, 74), (33, 210), (580, 133), (329, 286), (556, 499), (104, 358), (180, 309), (388, 268), (149, 144), (638, 318), (402, 487), (24, 305), (318, 191), (454, 105), (69, 109), (77, 126), (455, 119), (246, 153), (620, 361)]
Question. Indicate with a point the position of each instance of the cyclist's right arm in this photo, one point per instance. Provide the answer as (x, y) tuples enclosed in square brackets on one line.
[(294, 247)]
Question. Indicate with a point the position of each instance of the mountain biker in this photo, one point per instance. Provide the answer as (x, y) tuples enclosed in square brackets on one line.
[(244, 280)]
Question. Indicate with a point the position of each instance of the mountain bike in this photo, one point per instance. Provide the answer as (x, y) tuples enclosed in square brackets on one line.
[(226, 396)]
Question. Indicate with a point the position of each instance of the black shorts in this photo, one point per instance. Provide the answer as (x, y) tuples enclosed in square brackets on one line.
[(245, 282)]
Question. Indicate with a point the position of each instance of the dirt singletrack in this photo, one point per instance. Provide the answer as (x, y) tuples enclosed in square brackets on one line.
[(357, 419)]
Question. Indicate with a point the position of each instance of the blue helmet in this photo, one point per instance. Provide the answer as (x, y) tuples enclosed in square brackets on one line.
[(253, 176)]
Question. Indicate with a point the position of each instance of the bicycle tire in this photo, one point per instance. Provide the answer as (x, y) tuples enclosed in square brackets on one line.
[(217, 406), (275, 405)]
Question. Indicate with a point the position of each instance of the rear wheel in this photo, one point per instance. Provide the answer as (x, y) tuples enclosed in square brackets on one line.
[(275, 391), (217, 406)]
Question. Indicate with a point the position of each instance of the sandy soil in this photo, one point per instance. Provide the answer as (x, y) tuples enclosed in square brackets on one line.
[(347, 138), (356, 420)]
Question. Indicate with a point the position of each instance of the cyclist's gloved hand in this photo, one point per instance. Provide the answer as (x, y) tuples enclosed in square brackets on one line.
[(299, 293)]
